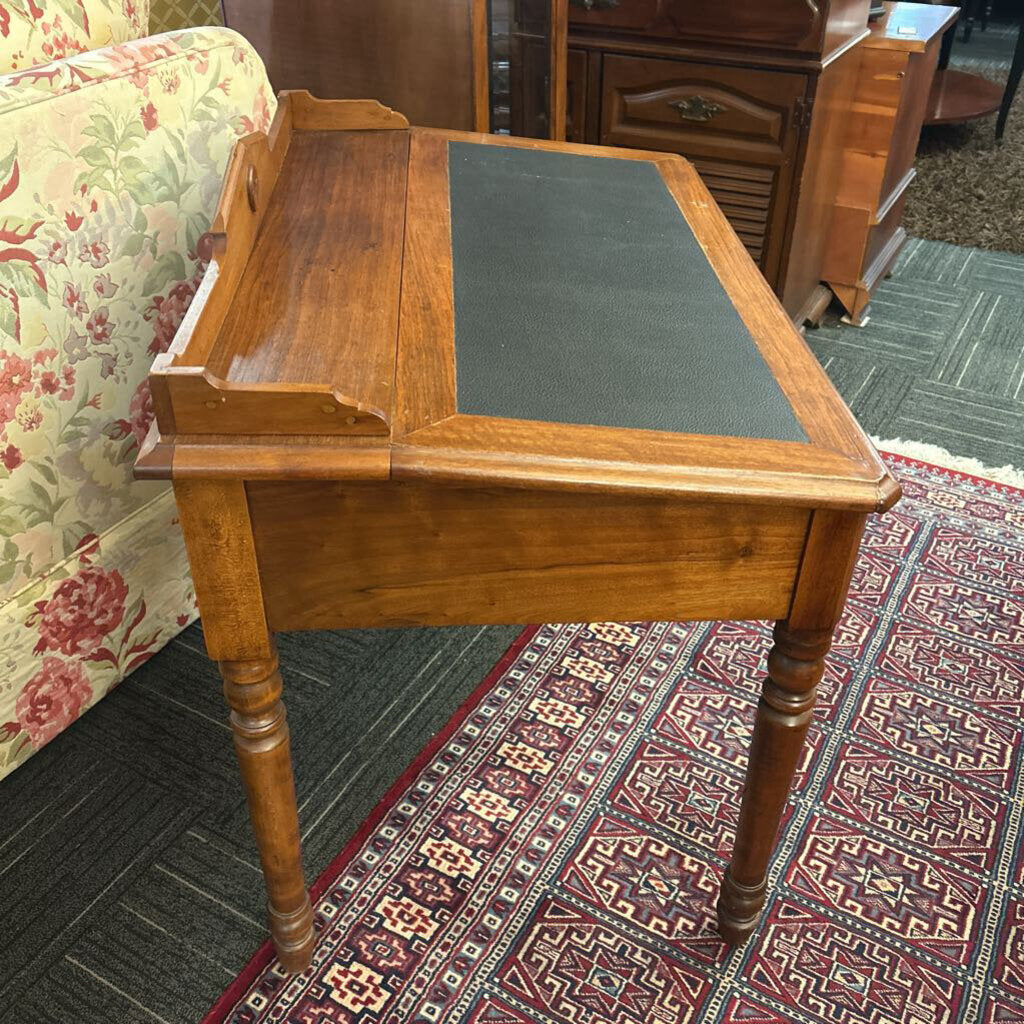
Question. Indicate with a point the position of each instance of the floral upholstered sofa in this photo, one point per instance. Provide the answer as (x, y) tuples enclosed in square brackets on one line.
[(111, 162)]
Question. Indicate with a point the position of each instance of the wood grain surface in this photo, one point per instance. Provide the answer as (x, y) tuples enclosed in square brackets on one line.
[(429, 554)]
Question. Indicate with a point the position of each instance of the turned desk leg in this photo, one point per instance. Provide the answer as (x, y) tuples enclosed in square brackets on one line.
[(214, 517), (253, 691), (795, 667)]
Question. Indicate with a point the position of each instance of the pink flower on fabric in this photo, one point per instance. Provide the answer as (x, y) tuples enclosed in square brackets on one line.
[(68, 377), (11, 457), (52, 699), (48, 383), (149, 116), (75, 346), (261, 115), (73, 221), (95, 254), (15, 380), (73, 301), (140, 413), (99, 325), (58, 253), (105, 287), (83, 610), (167, 312)]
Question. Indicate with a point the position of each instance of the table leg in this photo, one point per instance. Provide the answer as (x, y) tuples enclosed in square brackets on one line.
[(795, 667), (214, 517), (1012, 83), (253, 692)]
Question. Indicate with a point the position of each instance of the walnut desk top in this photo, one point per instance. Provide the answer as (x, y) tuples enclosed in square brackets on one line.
[(433, 377)]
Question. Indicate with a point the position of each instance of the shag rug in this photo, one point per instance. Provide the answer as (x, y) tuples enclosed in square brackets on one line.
[(969, 188), (554, 855)]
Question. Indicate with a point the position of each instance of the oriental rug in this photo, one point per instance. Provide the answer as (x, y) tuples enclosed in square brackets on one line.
[(553, 857)]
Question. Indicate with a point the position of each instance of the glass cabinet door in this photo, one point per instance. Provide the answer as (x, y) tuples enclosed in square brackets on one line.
[(526, 61)]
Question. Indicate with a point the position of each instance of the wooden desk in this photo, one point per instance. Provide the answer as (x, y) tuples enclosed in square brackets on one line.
[(419, 385)]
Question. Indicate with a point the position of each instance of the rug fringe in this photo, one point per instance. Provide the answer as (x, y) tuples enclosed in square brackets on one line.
[(938, 456)]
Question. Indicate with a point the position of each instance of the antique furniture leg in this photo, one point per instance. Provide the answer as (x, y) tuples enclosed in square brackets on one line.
[(218, 534), (795, 667), (253, 692)]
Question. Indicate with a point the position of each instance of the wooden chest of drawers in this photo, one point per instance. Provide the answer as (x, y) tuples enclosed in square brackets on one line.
[(895, 77), (756, 95)]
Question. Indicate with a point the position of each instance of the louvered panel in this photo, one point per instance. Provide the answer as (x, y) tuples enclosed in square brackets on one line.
[(737, 124), (744, 192)]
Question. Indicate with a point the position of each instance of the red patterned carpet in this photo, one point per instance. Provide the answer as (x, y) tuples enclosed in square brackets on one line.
[(554, 857)]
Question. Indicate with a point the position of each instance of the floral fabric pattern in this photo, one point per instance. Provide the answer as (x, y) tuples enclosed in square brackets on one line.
[(39, 31), (76, 633), (111, 165)]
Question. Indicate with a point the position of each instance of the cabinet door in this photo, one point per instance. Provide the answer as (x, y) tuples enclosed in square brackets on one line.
[(739, 126), (525, 52)]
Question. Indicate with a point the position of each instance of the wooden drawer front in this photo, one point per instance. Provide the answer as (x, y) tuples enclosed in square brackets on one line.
[(672, 104), (889, 219), (791, 24), (735, 124)]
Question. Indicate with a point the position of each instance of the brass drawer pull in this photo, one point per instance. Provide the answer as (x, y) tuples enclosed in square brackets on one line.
[(696, 108), (595, 5)]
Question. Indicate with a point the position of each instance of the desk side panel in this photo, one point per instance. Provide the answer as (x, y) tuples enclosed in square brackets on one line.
[(318, 302), (334, 555)]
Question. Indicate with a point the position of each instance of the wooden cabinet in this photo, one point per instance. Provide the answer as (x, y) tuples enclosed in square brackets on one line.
[(754, 94), (894, 80), (484, 65)]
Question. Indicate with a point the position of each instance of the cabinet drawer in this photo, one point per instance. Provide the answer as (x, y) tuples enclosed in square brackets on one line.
[(737, 125), (789, 24), (666, 104), (889, 219)]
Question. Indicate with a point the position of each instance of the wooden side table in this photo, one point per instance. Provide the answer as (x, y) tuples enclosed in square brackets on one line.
[(433, 377), (897, 66)]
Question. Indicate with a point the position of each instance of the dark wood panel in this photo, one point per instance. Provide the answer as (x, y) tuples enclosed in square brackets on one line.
[(576, 96), (414, 57), (793, 24)]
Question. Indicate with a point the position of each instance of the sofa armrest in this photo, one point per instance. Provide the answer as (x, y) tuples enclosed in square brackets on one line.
[(110, 173)]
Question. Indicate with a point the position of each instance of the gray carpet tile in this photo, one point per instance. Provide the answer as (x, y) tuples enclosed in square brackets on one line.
[(941, 358), (129, 885)]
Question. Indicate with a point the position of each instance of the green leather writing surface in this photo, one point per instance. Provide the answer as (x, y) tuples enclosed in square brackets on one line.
[(582, 296)]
